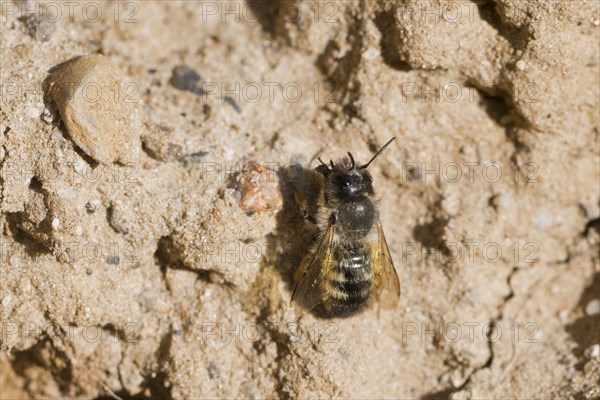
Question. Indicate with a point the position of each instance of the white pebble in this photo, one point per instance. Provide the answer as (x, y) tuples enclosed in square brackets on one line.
[(33, 112), (6, 301), (593, 351), (24, 286), (15, 261), (228, 153), (564, 315), (236, 197), (445, 378), (78, 230), (47, 116), (95, 203), (55, 223), (79, 167), (593, 307), (58, 152), (503, 201), (371, 54), (56, 134), (521, 65), (451, 203)]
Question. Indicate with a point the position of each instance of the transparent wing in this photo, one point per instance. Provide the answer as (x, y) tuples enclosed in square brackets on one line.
[(316, 265), (386, 285)]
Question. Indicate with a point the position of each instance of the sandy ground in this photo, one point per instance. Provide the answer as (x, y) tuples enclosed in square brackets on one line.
[(149, 239)]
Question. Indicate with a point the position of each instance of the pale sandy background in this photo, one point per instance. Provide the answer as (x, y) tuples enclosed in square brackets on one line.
[(168, 275)]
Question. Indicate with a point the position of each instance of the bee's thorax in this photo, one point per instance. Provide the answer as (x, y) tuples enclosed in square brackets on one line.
[(355, 217)]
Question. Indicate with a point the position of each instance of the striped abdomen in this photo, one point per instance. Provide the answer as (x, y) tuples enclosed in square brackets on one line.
[(349, 283)]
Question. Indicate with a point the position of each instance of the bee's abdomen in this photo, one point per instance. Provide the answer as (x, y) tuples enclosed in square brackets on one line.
[(349, 284)]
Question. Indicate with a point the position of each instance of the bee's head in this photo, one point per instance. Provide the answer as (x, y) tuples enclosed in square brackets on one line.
[(348, 179), (345, 179)]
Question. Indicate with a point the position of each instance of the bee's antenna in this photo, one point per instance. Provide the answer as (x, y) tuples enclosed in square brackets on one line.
[(331, 162), (351, 159), (323, 168), (378, 153)]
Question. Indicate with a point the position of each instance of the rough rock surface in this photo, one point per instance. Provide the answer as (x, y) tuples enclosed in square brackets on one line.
[(169, 276)]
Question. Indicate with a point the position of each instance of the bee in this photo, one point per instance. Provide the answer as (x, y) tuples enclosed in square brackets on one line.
[(349, 267)]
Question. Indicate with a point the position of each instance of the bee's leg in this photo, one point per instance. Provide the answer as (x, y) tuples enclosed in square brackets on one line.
[(303, 205)]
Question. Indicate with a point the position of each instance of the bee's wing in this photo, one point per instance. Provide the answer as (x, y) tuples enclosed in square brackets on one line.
[(386, 285), (314, 267)]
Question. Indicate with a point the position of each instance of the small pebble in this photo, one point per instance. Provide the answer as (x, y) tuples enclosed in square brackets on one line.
[(79, 167), (259, 190), (521, 65), (113, 260), (22, 50), (91, 206), (47, 116), (564, 315), (468, 150), (194, 158), (56, 135), (33, 112), (593, 307), (371, 53), (24, 286), (451, 203), (213, 370), (185, 78), (117, 219), (78, 230), (591, 210), (15, 261), (6, 301), (147, 300), (593, 351), (162, 145), (55, 223)]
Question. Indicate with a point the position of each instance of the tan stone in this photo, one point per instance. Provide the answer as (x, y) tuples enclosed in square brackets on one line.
[(95, 108)]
